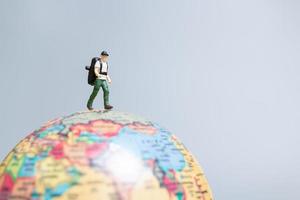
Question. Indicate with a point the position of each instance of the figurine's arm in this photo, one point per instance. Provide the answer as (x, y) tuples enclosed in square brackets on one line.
[(97, 69)]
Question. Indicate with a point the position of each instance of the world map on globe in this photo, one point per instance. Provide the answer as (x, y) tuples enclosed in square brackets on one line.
[(102, 155)]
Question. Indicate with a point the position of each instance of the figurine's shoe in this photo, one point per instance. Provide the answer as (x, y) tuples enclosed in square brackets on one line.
[(90, 108), (108, 107)]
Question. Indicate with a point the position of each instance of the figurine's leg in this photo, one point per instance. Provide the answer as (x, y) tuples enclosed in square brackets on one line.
[(94, 93), (105, 93)]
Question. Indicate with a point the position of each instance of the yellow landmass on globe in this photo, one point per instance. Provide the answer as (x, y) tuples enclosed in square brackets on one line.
[(199, 188), (50, 173), (147, 188), (92, 185)]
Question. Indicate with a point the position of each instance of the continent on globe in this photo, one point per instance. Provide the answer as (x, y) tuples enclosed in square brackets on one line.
[(107, 155)]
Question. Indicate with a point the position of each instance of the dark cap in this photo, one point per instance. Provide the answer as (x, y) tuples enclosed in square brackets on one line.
[(104, 53)]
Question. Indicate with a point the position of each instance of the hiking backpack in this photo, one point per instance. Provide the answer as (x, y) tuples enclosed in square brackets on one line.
[(91, 75)]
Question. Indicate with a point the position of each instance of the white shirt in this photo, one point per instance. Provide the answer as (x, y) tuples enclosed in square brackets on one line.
[(104, 69)]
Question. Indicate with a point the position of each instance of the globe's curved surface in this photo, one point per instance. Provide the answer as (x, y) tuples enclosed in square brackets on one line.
[(106, 155)]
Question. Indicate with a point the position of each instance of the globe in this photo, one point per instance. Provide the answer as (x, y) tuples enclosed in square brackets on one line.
[(102, 155)]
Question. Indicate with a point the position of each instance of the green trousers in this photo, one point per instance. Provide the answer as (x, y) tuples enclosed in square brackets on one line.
[(103, 84)]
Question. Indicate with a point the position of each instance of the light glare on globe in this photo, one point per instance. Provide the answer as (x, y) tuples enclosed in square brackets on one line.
[(124, 165)]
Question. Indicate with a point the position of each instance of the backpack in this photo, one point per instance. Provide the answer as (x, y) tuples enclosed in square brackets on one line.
[(91, 75)]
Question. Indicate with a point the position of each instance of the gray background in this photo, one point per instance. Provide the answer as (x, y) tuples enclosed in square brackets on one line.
[(223, 75)]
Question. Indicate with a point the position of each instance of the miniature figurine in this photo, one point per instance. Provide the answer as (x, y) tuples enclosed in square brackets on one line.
[(98, 77)]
